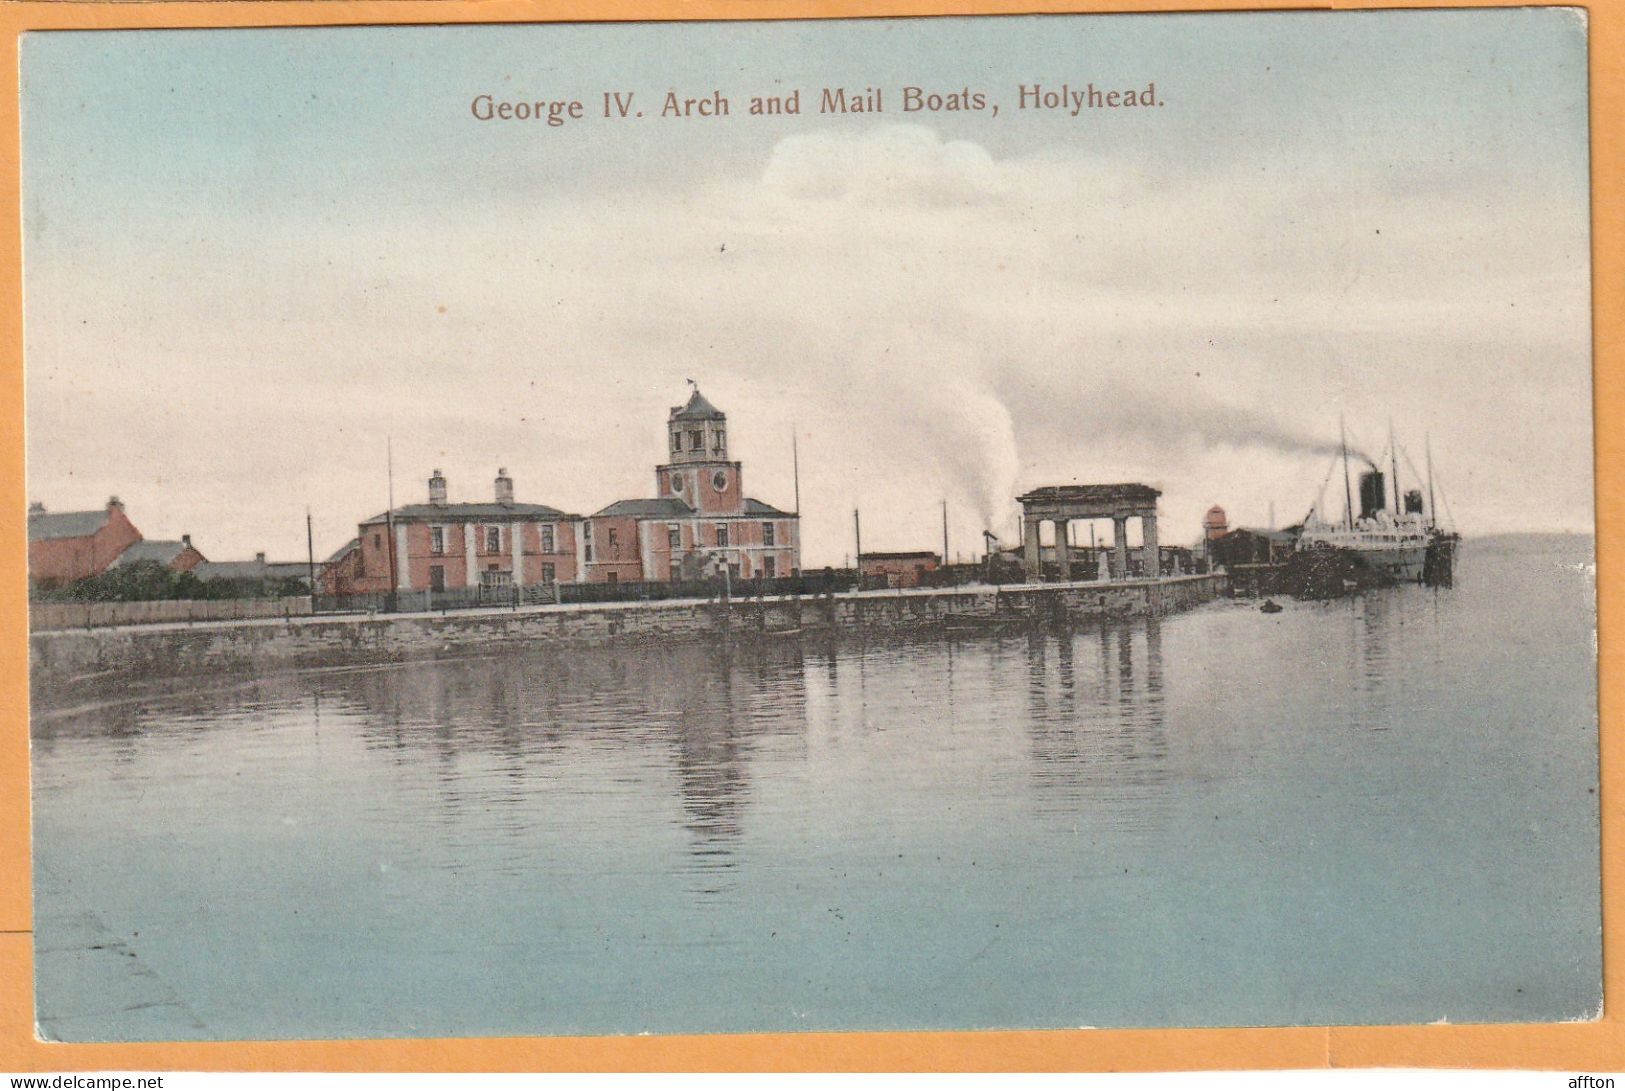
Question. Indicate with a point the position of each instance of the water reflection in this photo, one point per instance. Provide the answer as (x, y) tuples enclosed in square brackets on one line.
[(1096, 724), (1184, 821)]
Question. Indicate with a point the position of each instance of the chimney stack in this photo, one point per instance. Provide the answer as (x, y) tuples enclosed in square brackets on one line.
[(36, 508), (504, 487), (186, 541), (114, 504), (259, 558), (437, 490)]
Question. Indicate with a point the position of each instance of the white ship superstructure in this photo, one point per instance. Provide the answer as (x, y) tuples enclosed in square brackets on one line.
[(1392, 540), (1396, 547)]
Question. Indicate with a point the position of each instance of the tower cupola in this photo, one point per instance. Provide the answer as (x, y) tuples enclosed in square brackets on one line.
[(697, 431)]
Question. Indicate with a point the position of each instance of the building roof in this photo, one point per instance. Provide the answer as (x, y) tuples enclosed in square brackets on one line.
[(47, 525), (251, 570), (1257, 532), (348, 547), (665, 508), (148, 550), (670, 507), (916, 555), (1091, 494), (452, 513), (697, 409)]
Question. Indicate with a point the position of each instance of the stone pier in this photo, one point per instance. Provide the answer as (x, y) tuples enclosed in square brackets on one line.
[(64, 659)]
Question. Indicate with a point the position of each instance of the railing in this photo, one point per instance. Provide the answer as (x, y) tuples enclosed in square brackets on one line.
[(44, 616)]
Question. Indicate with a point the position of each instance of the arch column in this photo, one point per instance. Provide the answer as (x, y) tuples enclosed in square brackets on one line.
[(1153, 557), (1030, 554), (1119, 547), (1063, 549)]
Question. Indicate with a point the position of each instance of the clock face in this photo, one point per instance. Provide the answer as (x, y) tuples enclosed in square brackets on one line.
[(719, 481)]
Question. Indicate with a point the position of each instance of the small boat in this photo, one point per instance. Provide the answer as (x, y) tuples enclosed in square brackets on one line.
[(1271, 607)]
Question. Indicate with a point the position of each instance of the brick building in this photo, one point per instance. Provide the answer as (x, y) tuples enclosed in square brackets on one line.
[(700, 522), (442, 546), (64, 546), (899, 569)]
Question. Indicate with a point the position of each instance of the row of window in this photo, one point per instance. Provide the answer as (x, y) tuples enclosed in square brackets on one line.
[(491, 579), (696, 441), (492, 537), (674, 535)]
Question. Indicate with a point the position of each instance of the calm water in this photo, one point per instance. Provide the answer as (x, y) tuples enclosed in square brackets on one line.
[(1378, 810)]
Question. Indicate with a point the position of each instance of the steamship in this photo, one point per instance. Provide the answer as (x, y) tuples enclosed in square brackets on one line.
[(1403, 542)]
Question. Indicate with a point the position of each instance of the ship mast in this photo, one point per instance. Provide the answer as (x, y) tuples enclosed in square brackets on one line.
[(1433, 516), (1348, 492), (1393, 454)]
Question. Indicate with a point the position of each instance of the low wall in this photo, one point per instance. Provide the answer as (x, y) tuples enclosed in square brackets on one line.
[(167, 651), (44, 616)]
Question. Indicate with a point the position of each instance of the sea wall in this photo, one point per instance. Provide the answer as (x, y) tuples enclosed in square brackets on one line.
[(168, 651)]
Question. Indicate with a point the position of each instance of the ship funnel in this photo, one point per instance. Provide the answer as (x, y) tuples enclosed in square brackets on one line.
[(1413, 502), (1373, 496)]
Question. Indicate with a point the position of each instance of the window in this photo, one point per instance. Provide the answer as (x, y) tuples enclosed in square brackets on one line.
[(770, 567), (586, 539), (676, 482), (493, 539), (674, 538), (721, 441), (612, 541), (549, 573), (548, 542), (437, 543), (696, 441), (722, 534), (437, 576), (719, 481), (614, 577), (378, 541), (677, 441), (767, 534)]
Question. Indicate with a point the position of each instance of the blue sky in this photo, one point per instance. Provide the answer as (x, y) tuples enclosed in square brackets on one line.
[(252, 254)]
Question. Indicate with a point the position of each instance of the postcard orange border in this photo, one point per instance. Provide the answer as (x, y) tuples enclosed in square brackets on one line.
[(1581, 1047)]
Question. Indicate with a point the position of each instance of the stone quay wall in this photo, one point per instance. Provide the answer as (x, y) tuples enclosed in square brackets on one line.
[(293, 642)]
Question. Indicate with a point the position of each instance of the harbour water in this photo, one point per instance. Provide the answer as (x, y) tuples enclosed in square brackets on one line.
[(1378, 809)]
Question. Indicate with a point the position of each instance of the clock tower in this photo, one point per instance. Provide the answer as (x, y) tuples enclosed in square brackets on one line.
[(698, 471)]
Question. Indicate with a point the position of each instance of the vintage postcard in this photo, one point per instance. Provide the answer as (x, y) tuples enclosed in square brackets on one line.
[(898, 524)]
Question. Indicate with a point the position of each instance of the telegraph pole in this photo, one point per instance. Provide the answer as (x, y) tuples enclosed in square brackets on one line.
[(857, 532), (389, 523), (310, 555)]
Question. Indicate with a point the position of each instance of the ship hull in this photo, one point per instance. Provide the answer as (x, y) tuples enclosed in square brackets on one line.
[(1403, 565)]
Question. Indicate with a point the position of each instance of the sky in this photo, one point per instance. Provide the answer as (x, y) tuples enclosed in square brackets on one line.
[(257, 261)]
